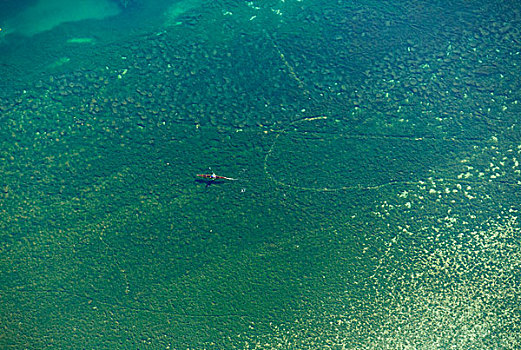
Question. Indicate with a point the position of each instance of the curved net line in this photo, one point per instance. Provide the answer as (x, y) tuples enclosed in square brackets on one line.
[(346, 136)]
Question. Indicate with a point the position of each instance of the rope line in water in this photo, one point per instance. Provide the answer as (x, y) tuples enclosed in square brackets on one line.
[(283, 131)]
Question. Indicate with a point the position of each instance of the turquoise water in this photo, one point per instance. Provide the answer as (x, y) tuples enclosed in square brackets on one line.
[(376, 147)]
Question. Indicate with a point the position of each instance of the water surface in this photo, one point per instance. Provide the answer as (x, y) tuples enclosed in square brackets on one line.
[(377, 146)]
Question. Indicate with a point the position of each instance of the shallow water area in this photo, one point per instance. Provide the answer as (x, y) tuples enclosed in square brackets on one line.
[(35, 36), (46, 15), (376, 147)]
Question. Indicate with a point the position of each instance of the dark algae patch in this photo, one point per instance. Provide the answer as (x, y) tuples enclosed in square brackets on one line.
[(376, 147)]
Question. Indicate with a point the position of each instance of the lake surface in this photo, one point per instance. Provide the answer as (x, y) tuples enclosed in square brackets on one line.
[(376, 146)]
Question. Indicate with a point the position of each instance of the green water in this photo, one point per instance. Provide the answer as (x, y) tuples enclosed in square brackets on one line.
[(376, 147)]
